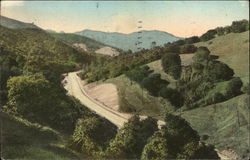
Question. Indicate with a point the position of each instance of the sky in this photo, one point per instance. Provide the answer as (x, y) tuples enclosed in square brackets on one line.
[(181, 18)]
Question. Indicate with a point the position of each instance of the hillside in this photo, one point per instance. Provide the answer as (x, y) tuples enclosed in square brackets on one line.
[(128, 41), (233, 49), (23, 139), (27, 42), (225, 123), (15, 24), (73, 39)]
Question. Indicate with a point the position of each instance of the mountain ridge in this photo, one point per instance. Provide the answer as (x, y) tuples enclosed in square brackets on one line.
[(133, 41)]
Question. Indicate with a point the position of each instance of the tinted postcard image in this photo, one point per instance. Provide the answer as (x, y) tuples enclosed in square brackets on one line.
[(146, 80)]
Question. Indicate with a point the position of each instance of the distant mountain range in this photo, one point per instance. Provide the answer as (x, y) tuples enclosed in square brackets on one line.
[(96, 39), (14, 24), (133, 41)]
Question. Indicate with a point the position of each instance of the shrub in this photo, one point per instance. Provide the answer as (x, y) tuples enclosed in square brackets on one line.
[(188, 48), (233, 88), (192, 40), (172, 95), (174, 48), (218, 71), (246, 88), (171, 63)]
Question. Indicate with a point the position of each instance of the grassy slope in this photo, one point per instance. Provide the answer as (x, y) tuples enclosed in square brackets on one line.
[(130, 94), (73, 38), (226, 123), (232, 49), (21, 139), (219, 121)]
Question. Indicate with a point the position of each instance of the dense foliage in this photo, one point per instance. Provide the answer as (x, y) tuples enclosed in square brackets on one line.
[(171, 64), (119, 65), (154, 84), (207, 81), (72, 39), (92, 135), (130, 140), (32, 64), (177, 140)]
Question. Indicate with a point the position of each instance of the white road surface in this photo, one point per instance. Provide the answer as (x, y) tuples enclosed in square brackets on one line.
[(74, 86)]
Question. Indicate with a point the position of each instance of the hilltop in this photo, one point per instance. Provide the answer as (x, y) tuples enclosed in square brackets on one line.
[(133, 41), (15, 24)]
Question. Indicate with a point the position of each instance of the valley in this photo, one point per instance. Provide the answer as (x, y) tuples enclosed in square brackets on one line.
[(125, 93)]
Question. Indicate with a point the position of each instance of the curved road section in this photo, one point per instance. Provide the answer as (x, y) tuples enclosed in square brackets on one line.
[(73, 84)]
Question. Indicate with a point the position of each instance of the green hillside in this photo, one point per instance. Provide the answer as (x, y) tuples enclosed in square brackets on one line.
[(21, 139), (91, 44), (225, 123), (233, 49), (32, 63), (15, 24), (29, 42)]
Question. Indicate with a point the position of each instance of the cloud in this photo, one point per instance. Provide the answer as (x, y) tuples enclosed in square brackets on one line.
[(124, 23), (5, 3)]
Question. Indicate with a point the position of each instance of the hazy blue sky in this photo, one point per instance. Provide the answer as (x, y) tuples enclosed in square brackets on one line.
[(183, 18)]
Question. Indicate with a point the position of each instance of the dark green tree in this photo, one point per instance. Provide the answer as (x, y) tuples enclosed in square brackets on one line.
[(188, 48), (130, 140), (171, 63)]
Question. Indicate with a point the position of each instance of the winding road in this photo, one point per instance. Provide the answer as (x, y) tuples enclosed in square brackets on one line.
[(74, 86)]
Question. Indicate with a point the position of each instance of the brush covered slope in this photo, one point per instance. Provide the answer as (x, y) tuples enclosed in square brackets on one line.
[(15, 24), (81, 41), (38, 117), (135, 97)]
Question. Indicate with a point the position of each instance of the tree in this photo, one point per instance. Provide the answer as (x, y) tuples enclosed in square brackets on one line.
[(202, 54), (138, 74), (188, 48), (153, 83), (92, 135), (192, 40), (172, 95), (22, 89), (176, 140), (210, 34), (130, 140), (218, 71), (157, 148), (233, 88), (240, 26), (220, 31), (171, 63), (153, 44)]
